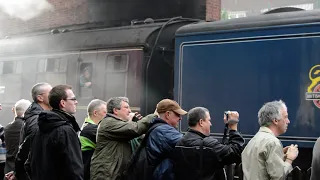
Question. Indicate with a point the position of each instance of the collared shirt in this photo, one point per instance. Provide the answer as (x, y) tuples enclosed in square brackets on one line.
[(263, 158)]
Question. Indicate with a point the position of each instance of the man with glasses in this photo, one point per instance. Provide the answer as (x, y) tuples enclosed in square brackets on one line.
[(39, 93), (55, 151)]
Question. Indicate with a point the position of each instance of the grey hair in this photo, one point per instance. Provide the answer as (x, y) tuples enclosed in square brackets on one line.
[(270, 111), (21, 106), (115, 102), (195, 114), (37, 89), (94, 105)]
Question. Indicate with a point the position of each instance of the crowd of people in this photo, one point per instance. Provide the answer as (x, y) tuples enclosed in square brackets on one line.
[(45, 142)]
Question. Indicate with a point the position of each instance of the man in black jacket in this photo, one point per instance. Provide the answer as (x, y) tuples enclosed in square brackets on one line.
[(200, 156), (39, 92), (12, 133), (55, 151)]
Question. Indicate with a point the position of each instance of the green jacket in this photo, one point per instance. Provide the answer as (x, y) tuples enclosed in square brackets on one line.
[(113, 149), (88, 135)]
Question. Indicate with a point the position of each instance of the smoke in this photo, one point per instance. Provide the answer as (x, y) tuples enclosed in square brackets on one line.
[(25, 9)]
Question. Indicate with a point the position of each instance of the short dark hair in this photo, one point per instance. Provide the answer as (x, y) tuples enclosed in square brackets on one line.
[(57, 94), (195, 114)]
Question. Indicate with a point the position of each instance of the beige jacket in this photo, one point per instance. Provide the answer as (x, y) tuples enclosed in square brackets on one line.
[(263, 158)]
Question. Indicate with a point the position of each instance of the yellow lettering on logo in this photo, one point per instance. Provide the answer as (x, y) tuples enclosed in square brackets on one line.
[(314, 80)]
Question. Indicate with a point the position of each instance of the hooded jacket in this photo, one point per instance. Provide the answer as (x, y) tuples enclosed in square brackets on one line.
[(26, 136), (56, 150)]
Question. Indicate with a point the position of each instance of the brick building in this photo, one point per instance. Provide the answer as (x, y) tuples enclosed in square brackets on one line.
[(91, 13)]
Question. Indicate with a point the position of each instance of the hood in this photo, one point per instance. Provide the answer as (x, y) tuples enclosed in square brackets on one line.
[(157, 120), (34, 109), (49, 120)]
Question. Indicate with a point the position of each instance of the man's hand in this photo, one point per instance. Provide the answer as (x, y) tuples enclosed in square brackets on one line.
[(292, 153), (285, 149), (232, 120), (10, 176), (135, 116), (87, 84)]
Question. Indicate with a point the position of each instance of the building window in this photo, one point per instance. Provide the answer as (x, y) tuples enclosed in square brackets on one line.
[(236, 14)]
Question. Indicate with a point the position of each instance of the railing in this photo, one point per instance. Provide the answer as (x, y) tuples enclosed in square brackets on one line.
[(234, 172)]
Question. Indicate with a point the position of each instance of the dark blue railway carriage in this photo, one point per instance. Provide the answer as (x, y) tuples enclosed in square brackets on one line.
[(240, 64)]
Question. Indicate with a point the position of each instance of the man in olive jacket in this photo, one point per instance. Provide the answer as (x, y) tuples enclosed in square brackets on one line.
[(113, 150)]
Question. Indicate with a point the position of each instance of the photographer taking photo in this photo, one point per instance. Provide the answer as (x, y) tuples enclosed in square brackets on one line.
[(201, 156)]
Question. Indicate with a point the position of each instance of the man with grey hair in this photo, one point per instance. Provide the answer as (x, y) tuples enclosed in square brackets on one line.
[(264, 157), (113, 149), (201, 155), (12, 134), (39, 92), (97, 110)]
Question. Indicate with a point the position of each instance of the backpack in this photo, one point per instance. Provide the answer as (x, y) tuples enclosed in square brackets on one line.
[(138, 168)]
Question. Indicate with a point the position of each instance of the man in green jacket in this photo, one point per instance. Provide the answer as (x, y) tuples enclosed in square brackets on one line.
[(113, 150)]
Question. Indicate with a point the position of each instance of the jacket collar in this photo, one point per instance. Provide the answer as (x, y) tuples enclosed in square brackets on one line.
[(89, 120), (266, 130), (68, 117), (114, 116), (196, 132)]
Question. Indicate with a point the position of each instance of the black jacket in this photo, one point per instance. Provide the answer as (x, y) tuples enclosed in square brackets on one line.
[(214, 155), (26, 136), (55, 152), (12, 136)]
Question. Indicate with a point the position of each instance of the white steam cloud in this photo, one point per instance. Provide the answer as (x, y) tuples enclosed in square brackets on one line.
[(25, 9)]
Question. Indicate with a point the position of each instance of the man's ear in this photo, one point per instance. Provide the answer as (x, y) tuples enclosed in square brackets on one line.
[(95, 112), (40, 98), (62, 103), (115, 111), (275, 121), (201, 122)]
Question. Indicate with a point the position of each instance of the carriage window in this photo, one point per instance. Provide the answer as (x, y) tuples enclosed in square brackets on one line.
[(116, 75), (86, 75), (52, 70), (117, 63), (85, 80), (52, 65), (10, 67)]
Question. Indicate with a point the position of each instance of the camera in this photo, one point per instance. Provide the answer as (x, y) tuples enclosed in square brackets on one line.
[(230, 121), (227, 114)]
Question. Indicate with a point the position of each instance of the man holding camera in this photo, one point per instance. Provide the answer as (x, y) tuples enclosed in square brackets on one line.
[(264, 157), (113, 148), (200, 156)]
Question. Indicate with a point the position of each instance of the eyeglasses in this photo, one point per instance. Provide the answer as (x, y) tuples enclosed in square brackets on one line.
[(72, 99)]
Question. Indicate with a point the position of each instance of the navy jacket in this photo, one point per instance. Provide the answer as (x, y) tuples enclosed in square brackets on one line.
[(160, 149)]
